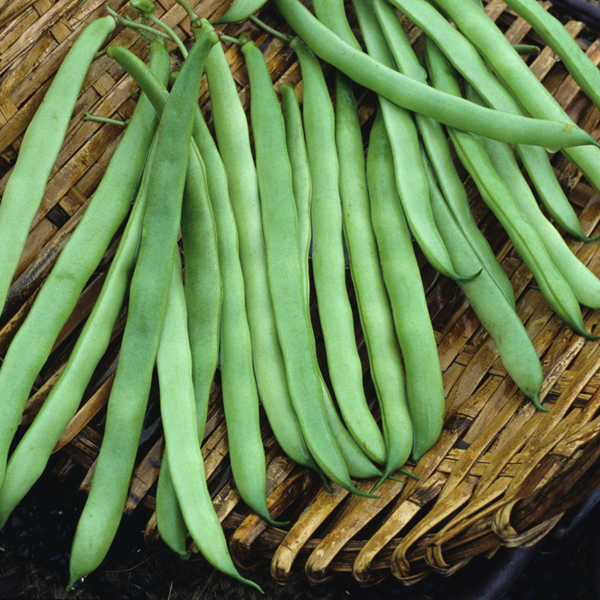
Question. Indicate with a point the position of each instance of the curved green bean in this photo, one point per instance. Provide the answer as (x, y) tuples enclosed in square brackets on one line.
[(434, 139), (497, 316), (387, 371), (329, 260), (245, 443), (467, 60), (286, 283), (148, 298), (418, 97), (583, 282), (40, 147), (106, 211), (411, 180), (182, 442), (301, 180), (240, 10), (518, 78), (30, 457), (499, 198), (424, 394)]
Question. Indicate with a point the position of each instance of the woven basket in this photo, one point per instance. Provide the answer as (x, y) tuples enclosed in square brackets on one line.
[(502, 473)]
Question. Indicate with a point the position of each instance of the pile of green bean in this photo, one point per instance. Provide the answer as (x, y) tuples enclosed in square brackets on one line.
[(254, 205)]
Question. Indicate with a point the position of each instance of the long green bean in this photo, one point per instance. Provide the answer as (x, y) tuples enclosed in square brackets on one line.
[(106, 211), (182, 443), (434, 139), (245, 444), (418, 97), (148, 298), (467, 60), (499, 198), (424, 386), (40, 147)]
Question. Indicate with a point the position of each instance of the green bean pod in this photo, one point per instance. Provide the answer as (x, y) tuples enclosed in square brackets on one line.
[(247, 452), (148, 298), (583, 282), (40, 147), (554, 34), (235, 334), (301, 180), (286, 283), (423, 381), (517, 77), (410, 175), (434, 139), (497, 316), (31, 455), (417, 97), (387, 371), (107, 209), (204, 292), (240, 10), (499, 198), (329, 260), (467, 60), (182, 444)]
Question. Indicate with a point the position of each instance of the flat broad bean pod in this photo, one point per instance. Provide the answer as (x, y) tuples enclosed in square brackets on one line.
[(107, 209), (417, 97), (148, 299)]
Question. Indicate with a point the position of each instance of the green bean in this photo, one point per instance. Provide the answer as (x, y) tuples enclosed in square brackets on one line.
[(240, 10), (518, 78), (30, 457), (235, 332), (554, 34), (497, 316), (424, 385), (301, 180), (374, 308), (107, 209), (435, 141), (182, 443), (329, 260), (499, 198), (415, 96), (467, 60), (359, 465), (246, 451), (582, 281), (40, 147), (203, 291), (280, 228), (410, 175), (148, 298)]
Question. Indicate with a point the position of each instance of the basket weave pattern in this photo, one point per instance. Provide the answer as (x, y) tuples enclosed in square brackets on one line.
[(502, 473)]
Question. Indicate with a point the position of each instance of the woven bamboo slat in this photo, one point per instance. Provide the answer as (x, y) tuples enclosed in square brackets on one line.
[(501, 473)]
